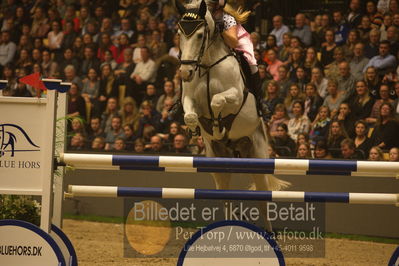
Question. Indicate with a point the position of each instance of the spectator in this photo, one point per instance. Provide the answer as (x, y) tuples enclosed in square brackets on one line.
[(372, 45), (91, 86), (302, 138), (311, 60), (21, 91), (302, 30), (327, 48), (301, 78), (95, 129), (284, 80), (285, 146), (106, 45), (341, 28), (279, 29), (354, 16), (362, 142), (174, 129), (295, 94), (130, 136), (317, 79), (321, 151), (111, 110), (353, 39), (332, 70), (384, 62), (150, 117), (394, 154), (129, 113), (387, 22), (157, 47), (364, 28), (361, 103), (89, 61), (285, 48), (396, 102), (180, 144), (348, 150), (280, 116), (374, 14), (295, 61), (156, 145), (71, 76), (271, 43), (169, 93), (312, 101), (358, 62), (123, 43), (109, 59), (70, 15), (49, 67), (151, 94), (108, 88), (24, 61), (321, 125), (272, 98), (77, 142), (115, 131), (78, 48), (175, 50), (68, 59), (143, 73), (98, 144), (375, 110), (55, 38), (125, 29), (386, 128), (7, 49), (346, 118), (40, 25), (119, 144), (299, 123), (346, 82), (334, 98), (376, 154), (373, 81), (336, 135), (304, 151), (392, 38), (273, 63), (77, 126), (76, 103)]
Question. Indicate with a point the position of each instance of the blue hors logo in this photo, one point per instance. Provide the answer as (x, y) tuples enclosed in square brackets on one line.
[(9, 136)]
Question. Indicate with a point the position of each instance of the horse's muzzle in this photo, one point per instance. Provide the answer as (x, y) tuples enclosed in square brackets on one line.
[(187, 74)]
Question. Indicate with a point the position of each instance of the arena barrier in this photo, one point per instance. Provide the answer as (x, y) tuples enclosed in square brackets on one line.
[(214, 194), (231, 165)]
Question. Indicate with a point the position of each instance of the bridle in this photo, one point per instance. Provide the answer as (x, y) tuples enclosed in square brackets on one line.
[(188, 28)]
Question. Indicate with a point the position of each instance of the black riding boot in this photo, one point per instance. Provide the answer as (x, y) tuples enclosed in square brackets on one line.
[(256, 89)]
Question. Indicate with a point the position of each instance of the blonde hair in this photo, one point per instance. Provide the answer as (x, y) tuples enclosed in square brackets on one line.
[(239, 14)]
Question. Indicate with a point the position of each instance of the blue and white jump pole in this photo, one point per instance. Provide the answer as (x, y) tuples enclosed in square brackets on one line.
[(231, 165), (191, 193)]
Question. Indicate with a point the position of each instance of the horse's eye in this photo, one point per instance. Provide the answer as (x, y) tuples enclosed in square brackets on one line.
[(199, 36)]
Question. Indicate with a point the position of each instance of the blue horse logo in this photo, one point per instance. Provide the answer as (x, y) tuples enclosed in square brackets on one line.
[(8, 139)]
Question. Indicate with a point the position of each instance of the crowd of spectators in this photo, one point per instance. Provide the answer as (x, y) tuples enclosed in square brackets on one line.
[(330, 81)]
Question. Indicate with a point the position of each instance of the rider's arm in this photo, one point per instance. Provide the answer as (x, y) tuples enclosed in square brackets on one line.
[(230, 30), (230, 37)]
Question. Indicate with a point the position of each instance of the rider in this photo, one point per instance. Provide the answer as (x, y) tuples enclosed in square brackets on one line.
[(230, 20)]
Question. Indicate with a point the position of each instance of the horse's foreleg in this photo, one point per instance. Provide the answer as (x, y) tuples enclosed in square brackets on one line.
[(190, 114), (229, 101)]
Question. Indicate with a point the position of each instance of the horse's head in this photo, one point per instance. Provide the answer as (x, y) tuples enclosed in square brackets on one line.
[(194, 30)]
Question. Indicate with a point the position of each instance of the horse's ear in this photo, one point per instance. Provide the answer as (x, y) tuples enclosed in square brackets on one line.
[(202, 9), (180, 8)]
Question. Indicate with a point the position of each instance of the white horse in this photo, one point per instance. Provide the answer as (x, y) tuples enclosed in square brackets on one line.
[(214, 99)]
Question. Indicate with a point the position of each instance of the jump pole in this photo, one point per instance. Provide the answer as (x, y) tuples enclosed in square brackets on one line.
[(231, 165), (191, 193)]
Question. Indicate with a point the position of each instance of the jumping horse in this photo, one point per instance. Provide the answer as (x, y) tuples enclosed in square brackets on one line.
[(215, 100)]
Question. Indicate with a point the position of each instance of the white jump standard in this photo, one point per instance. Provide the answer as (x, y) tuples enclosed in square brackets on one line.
[(231, 165), (191, 193)]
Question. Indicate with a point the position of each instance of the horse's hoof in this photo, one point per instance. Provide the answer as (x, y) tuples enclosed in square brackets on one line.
[(191, 120), (217, 104), (217, 134)]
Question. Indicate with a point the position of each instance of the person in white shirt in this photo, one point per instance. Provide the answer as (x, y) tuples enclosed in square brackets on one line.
[(143, 73), (7, 49), (279, 29)]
